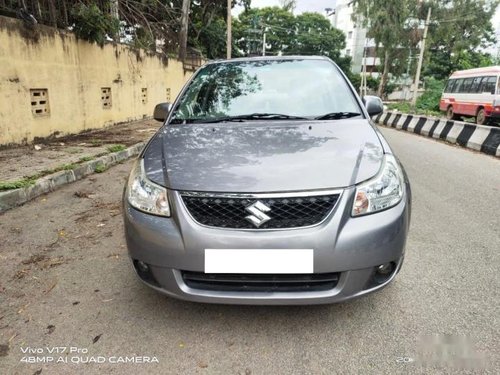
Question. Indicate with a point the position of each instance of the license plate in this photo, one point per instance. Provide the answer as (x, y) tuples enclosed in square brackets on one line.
[(259, 261)]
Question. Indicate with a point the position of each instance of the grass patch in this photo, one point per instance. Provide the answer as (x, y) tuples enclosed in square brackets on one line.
[(96, 142), (100, 168), (11, 185), (28, 181), (116, 148), (85, 158), (67, 167), (72, 150), (406, 107)]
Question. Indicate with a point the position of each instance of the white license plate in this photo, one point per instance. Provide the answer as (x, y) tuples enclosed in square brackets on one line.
[(259, 261)]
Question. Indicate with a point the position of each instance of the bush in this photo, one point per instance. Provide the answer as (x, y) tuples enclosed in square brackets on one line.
[(429, 100), (91, 24)]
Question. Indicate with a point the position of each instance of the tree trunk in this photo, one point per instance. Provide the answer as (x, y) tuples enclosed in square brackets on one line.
[(53, 13), (385, 75), (183, 34), (114, 11)]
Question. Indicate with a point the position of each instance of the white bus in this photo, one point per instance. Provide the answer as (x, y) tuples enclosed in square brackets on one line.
[(473, 93)]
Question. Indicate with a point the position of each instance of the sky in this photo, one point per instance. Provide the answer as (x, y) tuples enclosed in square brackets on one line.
[(302, 5)]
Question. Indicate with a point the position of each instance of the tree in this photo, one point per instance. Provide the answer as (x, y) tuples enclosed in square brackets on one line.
[(305, 34), (386, 22), (461, 30), (207, 28), (288, 5)]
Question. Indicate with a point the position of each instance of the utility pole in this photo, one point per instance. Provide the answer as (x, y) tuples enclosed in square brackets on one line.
[(229, 31), (264, 42), (421, 59), (183, 34)]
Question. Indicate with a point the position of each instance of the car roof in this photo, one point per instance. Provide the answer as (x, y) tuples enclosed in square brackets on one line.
[(268, 58)]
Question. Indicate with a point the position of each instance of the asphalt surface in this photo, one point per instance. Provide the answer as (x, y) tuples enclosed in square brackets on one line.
[(65, 281)]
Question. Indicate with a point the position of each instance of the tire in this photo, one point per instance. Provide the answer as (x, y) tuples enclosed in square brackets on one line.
[(450, 115), (481, 118)]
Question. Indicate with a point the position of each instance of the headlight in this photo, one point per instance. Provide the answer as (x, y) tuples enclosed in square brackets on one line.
[(144, 194), (383, 191)]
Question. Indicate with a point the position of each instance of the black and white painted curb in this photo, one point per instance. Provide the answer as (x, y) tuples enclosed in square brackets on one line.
[(476, 137), (16, 197)]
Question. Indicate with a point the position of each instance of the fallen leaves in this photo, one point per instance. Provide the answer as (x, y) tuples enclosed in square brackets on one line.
[(83, 194), (50, 289), (95, 339), (36, 258)]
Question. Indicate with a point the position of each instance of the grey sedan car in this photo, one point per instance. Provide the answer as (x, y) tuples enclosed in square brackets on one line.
[(268, 183)]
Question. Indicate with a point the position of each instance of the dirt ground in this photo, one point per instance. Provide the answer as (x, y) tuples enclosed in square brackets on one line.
[(25, 161)]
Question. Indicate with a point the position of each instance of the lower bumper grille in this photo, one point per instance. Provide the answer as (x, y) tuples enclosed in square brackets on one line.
[(260, 282)]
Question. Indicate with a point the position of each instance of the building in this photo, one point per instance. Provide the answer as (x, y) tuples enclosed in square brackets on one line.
[(356, 39)]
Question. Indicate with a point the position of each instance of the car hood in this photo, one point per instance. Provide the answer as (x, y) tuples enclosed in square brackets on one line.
[(253, 157)]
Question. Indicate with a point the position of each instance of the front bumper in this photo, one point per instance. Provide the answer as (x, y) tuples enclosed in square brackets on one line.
[(353, 247)]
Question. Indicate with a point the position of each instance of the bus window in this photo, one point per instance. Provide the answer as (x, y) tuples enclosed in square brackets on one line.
[(489, 85), (458, 85), (450, 85), (475, 85), (481, 84), (466, 85)]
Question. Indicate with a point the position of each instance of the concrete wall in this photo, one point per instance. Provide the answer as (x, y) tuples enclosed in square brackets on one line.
[(74, 72)]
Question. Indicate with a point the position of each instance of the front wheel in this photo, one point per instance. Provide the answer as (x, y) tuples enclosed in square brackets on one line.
[(450, 115), (481, 118)]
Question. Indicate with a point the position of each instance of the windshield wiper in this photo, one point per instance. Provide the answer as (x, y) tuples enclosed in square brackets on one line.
[(249, 117), (337, 115)]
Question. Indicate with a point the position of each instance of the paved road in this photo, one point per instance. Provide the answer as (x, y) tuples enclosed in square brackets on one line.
[(66, 281)]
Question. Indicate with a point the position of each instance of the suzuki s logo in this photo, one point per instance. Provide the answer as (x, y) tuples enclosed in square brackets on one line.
[(258, 213)]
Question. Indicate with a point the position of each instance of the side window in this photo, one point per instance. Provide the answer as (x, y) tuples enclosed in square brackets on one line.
[(458, 85), (466, 85), (475, 85), (481, 84), (489, 85), (449, 85)]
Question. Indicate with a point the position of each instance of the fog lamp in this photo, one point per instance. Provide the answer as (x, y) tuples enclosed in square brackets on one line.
[(385, 269)]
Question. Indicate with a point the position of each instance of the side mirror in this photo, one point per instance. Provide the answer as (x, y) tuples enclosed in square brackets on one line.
[(161, 111), (373, 105)]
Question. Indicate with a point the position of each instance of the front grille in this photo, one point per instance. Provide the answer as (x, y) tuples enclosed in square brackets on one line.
[(232, 212), (260, 282)]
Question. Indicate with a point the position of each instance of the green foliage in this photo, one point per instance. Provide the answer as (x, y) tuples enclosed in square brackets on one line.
[(91, 24), (458, 33), (405, 107), (371, 82), (429, 100), (456, 41), (207, 26), (386, 24), (116, 148), (68, 167), (85, 158), (304, 34), (25, 182), (427, 103), (100, 168)]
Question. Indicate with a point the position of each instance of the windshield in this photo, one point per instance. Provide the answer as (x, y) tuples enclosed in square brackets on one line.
[(298, 88)]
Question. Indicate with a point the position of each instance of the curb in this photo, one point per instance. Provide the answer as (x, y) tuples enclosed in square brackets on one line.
[(16, 197), (485, 139)]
